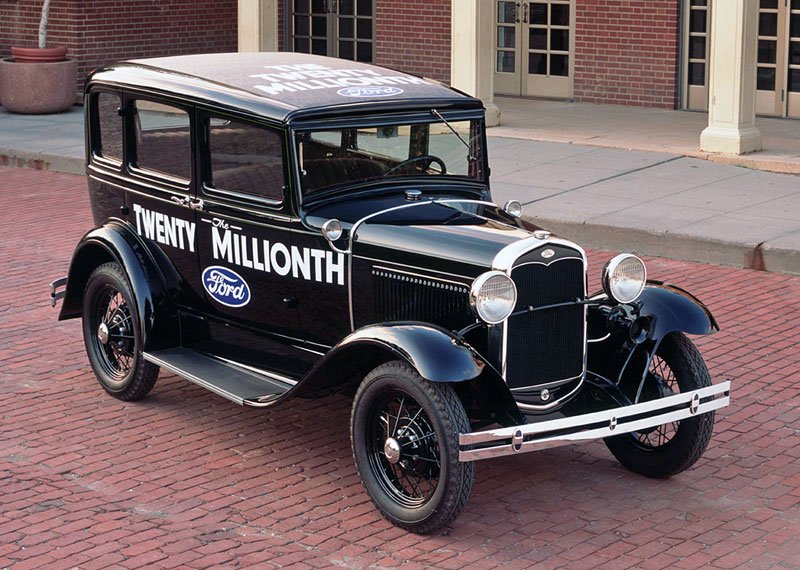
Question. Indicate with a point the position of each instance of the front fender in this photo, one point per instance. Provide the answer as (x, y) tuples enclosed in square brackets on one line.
[(667, 309), (672, 309), (114, 241), (436, 354)]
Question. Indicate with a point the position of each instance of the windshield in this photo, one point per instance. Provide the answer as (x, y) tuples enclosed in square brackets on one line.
[(336, 157)]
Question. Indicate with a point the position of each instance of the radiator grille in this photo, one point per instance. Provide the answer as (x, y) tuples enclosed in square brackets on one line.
[(546, 346), (403, 297)]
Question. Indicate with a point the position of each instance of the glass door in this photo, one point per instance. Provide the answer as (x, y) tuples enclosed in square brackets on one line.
[(793, 65), (507, 71), (771, 64), (534, 46), (338, 28), (696, 47)]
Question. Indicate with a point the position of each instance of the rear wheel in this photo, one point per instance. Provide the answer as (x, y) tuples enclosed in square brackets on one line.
[(113, 337), (671, 448), (404, 432)]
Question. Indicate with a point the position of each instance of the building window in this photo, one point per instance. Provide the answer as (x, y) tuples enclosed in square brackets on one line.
[(337, 28)]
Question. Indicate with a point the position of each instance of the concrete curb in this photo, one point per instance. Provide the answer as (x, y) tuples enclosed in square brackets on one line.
[(761, 160), (761, 257), (42, 161)]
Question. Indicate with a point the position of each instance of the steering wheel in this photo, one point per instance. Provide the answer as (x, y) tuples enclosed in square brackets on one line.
[(426, 159)]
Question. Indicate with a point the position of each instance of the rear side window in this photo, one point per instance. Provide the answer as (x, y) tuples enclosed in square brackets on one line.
[(246, 159), (109, 122), (163, 142)]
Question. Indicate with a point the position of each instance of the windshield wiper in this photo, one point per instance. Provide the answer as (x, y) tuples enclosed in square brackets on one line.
[(449, 126)]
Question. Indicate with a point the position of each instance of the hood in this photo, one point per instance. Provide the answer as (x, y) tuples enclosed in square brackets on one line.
[(441, 237)]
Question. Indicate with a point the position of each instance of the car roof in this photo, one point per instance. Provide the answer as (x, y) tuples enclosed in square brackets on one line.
[(285, 85)]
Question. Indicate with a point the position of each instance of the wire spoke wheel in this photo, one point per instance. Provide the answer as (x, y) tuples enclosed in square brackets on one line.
[(670, 448), (404, 432), (114, 340), (404, 449), (112, 335), (662, 382)]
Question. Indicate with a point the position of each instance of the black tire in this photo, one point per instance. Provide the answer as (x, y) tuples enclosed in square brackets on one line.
[(422, 487), (671, 448), (115, 353)]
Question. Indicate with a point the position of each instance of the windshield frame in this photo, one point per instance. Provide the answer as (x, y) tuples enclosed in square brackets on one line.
[(300, 128)]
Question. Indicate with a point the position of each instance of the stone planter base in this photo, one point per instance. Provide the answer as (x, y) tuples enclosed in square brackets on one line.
[(37, 88)]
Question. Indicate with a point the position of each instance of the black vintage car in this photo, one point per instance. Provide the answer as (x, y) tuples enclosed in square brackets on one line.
[(278, 225)]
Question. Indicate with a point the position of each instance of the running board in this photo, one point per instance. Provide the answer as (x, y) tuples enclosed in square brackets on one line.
[(242, 386)]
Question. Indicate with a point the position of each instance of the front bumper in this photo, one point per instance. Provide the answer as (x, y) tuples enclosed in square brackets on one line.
[(595, 425)]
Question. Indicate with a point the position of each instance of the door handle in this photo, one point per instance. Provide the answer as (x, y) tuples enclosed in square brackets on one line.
[(188, 202), (196, 205), (516, 12), (524, 12)]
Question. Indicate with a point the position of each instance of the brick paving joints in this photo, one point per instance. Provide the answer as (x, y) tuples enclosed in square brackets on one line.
[(187, 479)]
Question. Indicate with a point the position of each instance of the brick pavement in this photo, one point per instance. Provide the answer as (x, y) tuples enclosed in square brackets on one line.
[(187, 479)]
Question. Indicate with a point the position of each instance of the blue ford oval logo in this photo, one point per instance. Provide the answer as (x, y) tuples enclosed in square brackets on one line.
[(226, 286), (378, 91)]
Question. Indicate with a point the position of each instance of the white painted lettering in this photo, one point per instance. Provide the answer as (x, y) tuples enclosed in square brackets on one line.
[(337, 268), (318, 255), (286, 266), (301, 262)]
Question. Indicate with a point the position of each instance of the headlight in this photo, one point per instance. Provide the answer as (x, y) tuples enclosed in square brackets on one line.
[(624, 277), (493, 296)]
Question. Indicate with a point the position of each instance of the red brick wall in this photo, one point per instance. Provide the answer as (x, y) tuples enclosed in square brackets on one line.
[(104, 31), (626, 52), (411, 35), (414, 36)]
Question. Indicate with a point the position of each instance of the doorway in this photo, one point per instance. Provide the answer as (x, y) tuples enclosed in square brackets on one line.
[(534, 47), (777, 61), (337, 28)]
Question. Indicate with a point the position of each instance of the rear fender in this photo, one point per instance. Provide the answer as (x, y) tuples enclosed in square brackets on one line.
[(436, 354), (115, 241)]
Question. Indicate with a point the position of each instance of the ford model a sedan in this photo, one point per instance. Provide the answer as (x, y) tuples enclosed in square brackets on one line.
[(279, 225)]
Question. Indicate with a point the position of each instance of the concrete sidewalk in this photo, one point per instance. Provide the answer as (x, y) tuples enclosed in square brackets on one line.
[(657, 199)]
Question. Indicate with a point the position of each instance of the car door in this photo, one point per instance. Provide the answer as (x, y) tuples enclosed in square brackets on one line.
[(160, 187), (245, 254)]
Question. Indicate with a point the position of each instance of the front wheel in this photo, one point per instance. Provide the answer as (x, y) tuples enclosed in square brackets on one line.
[(671, 448), (404, 431)]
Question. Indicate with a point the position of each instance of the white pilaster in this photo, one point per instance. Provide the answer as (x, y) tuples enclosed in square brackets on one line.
[(258, 25), (472, 52), (732, 79)]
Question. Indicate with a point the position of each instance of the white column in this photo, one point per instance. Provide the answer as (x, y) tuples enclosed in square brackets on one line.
[(472, 52), (732, 84), (258, 25)]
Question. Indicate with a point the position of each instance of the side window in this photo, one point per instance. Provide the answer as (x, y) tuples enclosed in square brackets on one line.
[(109, 126), (163, 141), (246, 159)]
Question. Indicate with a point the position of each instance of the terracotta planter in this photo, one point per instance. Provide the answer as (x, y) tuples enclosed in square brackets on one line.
[(38, 88), (39, 55)]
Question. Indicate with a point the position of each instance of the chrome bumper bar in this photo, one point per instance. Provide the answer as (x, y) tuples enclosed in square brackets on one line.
[(55, 294), (595, 425)]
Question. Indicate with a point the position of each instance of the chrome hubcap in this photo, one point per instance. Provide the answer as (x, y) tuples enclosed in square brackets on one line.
[(102, 333), (392, 450)]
